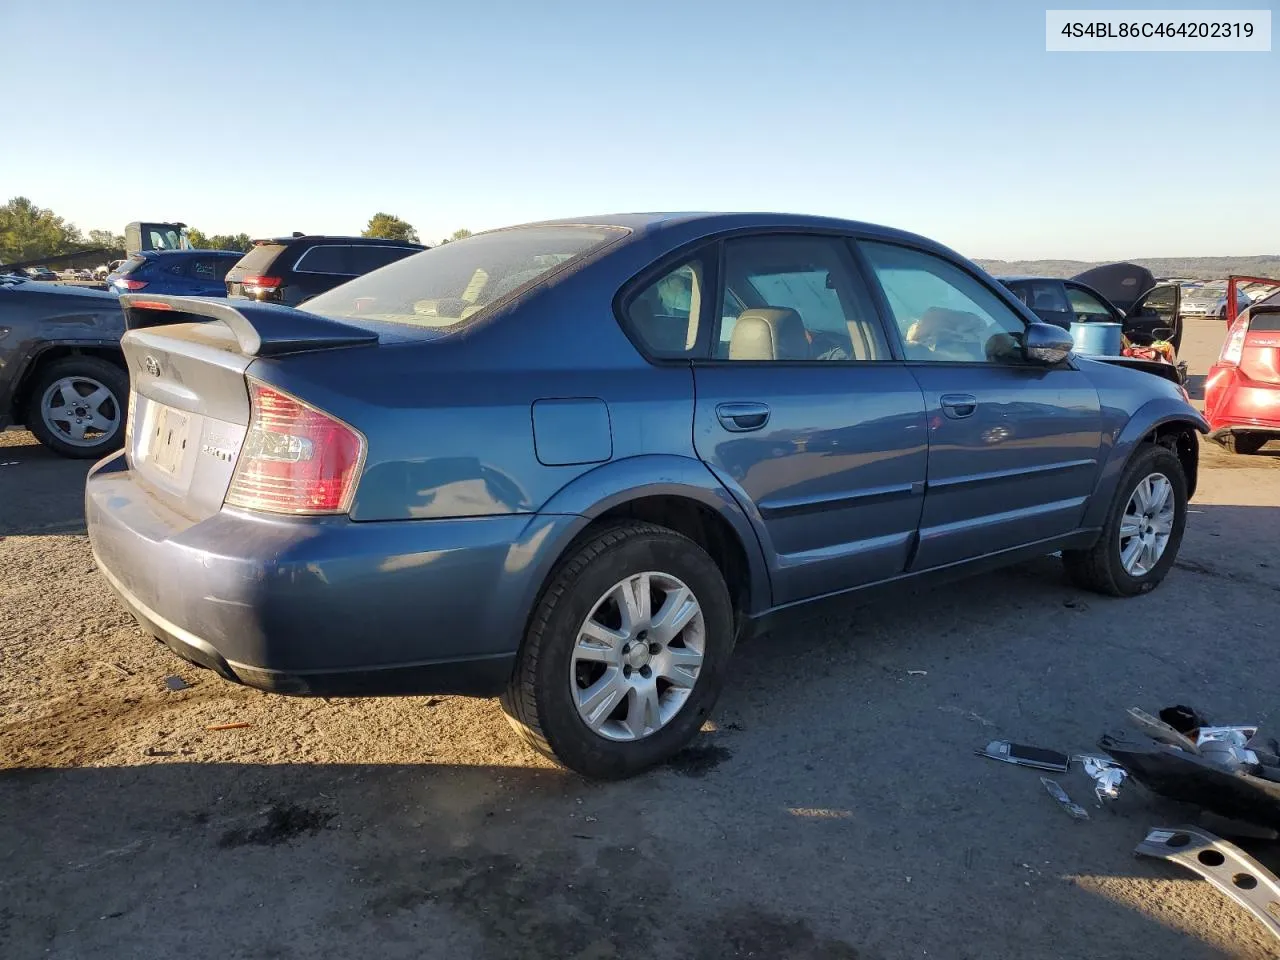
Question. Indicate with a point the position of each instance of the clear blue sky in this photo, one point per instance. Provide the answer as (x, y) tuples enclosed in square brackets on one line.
[(948, 118)]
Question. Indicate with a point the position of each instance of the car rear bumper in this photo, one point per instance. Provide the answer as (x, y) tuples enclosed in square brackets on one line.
[(323, 606), (1236, 404)]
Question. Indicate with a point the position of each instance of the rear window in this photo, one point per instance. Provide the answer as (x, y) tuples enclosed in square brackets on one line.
[(130, 265), (260, 257), (445, 286), (324, 258)]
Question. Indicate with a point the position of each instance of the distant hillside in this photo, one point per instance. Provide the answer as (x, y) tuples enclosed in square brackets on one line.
[(1198, 268)]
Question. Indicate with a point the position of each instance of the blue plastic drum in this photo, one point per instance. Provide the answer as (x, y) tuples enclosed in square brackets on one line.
[(1098, 339)]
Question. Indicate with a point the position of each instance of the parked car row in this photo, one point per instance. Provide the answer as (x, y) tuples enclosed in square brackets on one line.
[(285, 270)]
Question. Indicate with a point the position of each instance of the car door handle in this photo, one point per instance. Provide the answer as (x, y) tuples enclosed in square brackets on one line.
[(741, 417), (957, 406)]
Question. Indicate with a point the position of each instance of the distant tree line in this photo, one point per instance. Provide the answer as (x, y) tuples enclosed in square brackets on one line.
[(28, 232)]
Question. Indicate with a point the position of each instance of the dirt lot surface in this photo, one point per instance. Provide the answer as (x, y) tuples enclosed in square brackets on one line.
[(834, 809)]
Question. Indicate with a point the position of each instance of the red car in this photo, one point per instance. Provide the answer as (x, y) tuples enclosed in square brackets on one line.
[(1242, 390)]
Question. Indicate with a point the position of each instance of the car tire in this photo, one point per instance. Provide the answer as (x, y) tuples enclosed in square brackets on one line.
[(1109, 567), (1245, 444), (85, 376), (548, 700)]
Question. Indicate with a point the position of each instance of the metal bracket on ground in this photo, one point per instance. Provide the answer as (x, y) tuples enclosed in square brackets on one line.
[(1224, 865)]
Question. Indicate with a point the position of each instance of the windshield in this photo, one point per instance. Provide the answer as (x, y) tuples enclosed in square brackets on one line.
[(445, 286)]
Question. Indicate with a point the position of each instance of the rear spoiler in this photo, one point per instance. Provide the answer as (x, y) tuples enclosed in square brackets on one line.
[(261, 329)]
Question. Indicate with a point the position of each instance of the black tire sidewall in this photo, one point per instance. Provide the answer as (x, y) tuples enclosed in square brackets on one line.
[(1151, 460), (576, 745), (108, 374)]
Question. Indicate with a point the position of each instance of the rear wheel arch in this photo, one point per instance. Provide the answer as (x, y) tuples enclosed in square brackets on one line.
[(51, 353)]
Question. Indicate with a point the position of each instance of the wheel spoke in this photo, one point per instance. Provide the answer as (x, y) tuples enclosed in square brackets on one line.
[(1130, 526), (76, 429), (681, 666), (94, 400), (677, 610), (598, 644), (601, 698), (1163, 524), (1142, 493), (1129, 555), (644, 710), (1160, 490), (634, 602)]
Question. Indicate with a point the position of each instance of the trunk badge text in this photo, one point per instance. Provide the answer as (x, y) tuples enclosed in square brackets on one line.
[(219, 452)]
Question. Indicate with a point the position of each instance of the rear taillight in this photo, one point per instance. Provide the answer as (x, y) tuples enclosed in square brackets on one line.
[(1233, 349), (257, 286), (130, 284), (295, 459)]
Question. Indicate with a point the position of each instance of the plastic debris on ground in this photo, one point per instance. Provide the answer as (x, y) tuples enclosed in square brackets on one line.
[(1107, 776), (1064, 801)]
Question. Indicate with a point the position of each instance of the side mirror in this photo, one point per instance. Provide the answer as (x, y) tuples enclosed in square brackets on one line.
[(1046, 343)]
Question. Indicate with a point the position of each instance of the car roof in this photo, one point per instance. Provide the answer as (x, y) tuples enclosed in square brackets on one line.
[(644, 225), (188, 253), (370, 241)]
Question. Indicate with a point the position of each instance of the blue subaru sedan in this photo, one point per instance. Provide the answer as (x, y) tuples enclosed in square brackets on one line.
[(573, 463)]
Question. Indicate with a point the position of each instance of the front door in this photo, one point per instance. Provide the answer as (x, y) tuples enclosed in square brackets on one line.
[(1156, 315), (805, 416), (1013, 446)]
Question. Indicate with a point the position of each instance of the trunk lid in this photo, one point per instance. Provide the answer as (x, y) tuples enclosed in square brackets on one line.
[(189, 403)]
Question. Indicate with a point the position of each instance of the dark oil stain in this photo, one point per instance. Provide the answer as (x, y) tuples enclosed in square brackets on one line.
[(284, 822), (699, 760), (756, 932), (545, 905)]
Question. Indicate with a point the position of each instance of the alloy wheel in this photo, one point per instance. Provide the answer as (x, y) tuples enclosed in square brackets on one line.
[(637, 656), (1146, 524), (80, 411)]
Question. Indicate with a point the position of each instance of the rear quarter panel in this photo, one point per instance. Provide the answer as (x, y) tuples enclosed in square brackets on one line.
[(450, 423), (32, 321)]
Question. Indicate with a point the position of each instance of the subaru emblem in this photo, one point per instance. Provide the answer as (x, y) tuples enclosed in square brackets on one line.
[(152, 366)]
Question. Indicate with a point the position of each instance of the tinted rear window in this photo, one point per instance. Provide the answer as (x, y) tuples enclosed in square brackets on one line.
[(130, 265), (260, 257), (325, 258), (445, 286), (368, 259)]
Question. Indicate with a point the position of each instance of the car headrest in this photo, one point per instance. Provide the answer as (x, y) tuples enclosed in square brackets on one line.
[(768, 333)]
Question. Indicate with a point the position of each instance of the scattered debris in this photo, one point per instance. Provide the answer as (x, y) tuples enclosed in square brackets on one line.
[(1107, 776), (1025, 756), (155, 752), (1159, 730), (1232, 871), (1064, 801), (229, 726), (122, 670), (175, 682), (917, 673)]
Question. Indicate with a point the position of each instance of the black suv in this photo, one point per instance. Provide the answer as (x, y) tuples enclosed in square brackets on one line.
[(293, 269)]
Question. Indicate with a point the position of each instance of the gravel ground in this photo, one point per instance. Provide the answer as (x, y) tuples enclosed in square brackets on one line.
[(833, 809)]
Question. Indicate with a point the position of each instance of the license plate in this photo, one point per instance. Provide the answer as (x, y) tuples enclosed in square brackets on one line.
[(168, 441)]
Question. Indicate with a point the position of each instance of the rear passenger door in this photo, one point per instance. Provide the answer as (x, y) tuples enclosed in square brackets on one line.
[(207, 275), (804, 414)]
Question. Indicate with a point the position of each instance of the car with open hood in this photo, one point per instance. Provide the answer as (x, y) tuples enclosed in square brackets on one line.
[(574, 463)]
